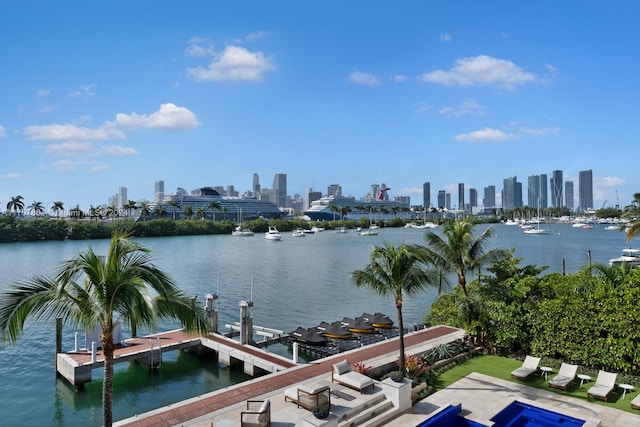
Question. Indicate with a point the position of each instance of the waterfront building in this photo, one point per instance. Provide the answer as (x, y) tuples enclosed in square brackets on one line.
[(585, 190), (158, 191), (255, 187), (473, 198), (442, 203), (568, 191), (461, 196), (426, 195), (511, 193), (533, 191), (489, 199), (122, 197), (447, 201), (280, 189), (544, 199), (556, 189)]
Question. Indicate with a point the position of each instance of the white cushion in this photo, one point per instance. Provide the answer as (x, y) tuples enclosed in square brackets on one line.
[(265, 406), (342, 367)]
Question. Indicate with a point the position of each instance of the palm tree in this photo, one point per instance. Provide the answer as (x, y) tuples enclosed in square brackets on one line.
[(174, 204), (145, 210), (36, 208), (632, 212), (160, 211), (129, 206), (333, 208), (76, 213), (224, 210), (16, 204), (90, 290), (112, 212), (396, 271), (200, 213), (214, 206), (459, 251), (188, 211), (57, 207)]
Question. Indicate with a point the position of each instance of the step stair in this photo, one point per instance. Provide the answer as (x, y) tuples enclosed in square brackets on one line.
[(373, 413)]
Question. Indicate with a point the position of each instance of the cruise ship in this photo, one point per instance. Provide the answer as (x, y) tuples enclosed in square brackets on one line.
[(321, 209), (235, 208)]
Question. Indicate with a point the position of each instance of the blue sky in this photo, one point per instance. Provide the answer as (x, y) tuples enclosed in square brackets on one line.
[(99, 95)]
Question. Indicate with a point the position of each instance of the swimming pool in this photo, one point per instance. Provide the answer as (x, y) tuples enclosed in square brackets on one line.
[(516, 414)]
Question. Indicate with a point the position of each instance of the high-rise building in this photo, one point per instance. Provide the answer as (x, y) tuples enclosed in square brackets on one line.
[(509, 193), (533, 191), (280, 189), (489, 199), (256, 185), (311, 196), (122, 197), (426, 195), (585, 190), (373, 195), (461, 196), (231, 191), (442, 200), (334, 190), (158, 191), (556, 189), (447, 201), (568, 191), (544, 200), (473, 198)]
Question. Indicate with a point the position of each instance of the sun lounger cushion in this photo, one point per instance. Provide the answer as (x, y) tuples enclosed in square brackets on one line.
[(265, 406), (341, 368), (309, 397), (343, 374), (605, 383), (565, 376), (529, 366), (635, 403)]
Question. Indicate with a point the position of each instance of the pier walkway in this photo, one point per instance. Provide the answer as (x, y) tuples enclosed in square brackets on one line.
[(197, 409), (76, 366)]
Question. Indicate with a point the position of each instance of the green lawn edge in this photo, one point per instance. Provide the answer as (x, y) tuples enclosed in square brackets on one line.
[(501, 367)]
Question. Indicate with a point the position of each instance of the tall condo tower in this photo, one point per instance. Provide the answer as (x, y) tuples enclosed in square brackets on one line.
[(426, 195), (461, 196), (158, 191), (489, 199), (585, 190), (556, 189), (568, 191), (255, 188), (280, 188)]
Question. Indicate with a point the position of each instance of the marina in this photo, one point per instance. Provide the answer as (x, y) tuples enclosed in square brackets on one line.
[(296, 283)]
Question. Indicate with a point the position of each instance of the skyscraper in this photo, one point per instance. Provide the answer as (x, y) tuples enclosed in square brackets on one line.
[(158, 191), (489, 200), (533, 191), (473, 198), (426, 195), (442, 200), (544, 199), (585, 190), (511, 193), (568, 191), (461, 196), (556, 189), (280, 189), (311, 196), (122, 197), (256, 185), (334, 190)]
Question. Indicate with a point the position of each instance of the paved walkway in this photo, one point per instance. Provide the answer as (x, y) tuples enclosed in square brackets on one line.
[(185, 412)]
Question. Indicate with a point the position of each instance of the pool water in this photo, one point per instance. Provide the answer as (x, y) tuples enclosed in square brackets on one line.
[(517, 414)]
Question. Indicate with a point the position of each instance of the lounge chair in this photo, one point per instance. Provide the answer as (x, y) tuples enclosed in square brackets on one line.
[(342, 373), (308, 396), (258, 414), (565, 376), (605, 383), (529, 367), (635, 403)]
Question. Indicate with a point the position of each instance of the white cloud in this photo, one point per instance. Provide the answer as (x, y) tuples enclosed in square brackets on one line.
[(117, 150), (540, 132), (197, 47), (169, 117), (366, 79), (609, 181), (233, 64), (445, 37), (465, 108), (13, 175), (399, 78), (83, 91), (484, 135), (481, 70), (3, 132), (99, 167), (68, 165), (71, 132), (69, 148)]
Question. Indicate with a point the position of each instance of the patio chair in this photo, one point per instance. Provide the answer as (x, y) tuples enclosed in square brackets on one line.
[(309, 397), (635, 403), (258, 414), (565, 376), (605, 383), (342, 373), (529, 367)]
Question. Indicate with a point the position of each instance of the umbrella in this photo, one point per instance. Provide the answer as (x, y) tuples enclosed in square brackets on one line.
[(333, 330)]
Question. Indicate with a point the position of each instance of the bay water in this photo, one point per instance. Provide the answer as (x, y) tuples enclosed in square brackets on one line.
[(299, 281)]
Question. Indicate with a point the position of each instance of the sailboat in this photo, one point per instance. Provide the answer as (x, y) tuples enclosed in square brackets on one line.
[(240, 230), (537, 229)]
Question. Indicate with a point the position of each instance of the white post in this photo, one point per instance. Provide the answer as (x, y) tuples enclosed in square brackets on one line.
[(77, 343), (94, 347), (295, 353)]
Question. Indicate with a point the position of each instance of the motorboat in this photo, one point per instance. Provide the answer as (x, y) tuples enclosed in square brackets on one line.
[(369, 232), (298, 232), (273, 233), (630, 257), (536, 230), (340, 230), (241, 231), (317, 229)]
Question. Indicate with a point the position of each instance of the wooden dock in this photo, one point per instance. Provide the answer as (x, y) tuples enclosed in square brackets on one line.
[(77, 366)]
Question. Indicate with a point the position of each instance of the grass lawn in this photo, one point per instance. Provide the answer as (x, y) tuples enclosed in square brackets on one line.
[(501, 367)]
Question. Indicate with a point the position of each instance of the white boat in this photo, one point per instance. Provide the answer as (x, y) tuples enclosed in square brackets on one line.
[(273, 234), (298, 232), (612, 227), (529, 229), (316, 229), (511, 222), (240, 230), (340, 230), (369, 232), (630, 257)]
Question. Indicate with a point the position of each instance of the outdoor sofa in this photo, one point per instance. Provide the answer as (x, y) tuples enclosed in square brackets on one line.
[(342, 373), (309, 397), (258, 414)]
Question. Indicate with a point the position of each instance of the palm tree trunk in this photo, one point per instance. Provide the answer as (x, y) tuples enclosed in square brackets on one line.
[(401, 363), (107, 383)]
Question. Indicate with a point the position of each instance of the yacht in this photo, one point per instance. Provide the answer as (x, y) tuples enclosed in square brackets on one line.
[(241, 231), (630, 257), (273, 234), (298, 232)]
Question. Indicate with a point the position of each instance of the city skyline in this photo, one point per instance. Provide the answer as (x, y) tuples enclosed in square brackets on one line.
[(452, 94)]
